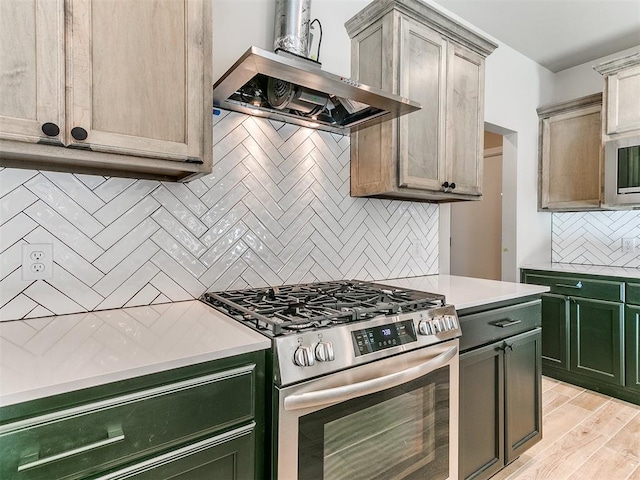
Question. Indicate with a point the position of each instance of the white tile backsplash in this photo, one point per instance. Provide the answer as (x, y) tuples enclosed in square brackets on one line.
[(275, 210), (595, 238)]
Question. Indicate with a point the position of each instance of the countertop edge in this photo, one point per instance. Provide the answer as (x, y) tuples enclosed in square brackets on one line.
[(107, 378)]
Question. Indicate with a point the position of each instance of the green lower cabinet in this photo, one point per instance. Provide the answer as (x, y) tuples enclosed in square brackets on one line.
[(597, 339), (591, 331), (201, 421), (481, 412), (555, 328), (523, 393), (500, 404), (224, 457), (632, 336)]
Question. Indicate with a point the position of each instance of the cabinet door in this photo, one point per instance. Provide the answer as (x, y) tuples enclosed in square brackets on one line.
[(555, 331), (481, 413), (423, 79), (597, 349), (632, 339), (465, 120), (623, 108), (137, 78), (570, 159), (523, 393), (373, 149), (230, 459), (32, 68)]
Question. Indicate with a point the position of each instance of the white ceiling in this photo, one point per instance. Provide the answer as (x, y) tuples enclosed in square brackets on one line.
[(557, 34)]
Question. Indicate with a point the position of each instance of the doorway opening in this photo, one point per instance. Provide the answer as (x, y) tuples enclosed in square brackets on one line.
[(481, 236)]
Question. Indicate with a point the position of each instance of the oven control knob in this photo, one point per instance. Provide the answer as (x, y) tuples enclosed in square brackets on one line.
[(437, 325), (303, 356), (324, 352), (450, 321), (424, 328)]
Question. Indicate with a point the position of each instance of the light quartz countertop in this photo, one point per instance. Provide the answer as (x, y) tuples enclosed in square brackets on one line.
[(51, 355), (586, 269), (466, 292)]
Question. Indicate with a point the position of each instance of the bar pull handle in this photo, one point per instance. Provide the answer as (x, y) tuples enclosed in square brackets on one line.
[(576, 286), (334, 395), (114, 435), (507, 322)]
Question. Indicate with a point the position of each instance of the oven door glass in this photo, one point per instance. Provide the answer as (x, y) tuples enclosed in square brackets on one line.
[(398, 433)]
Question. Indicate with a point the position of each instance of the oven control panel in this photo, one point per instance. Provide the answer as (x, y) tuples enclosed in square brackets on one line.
[(314, 353), (381, 337)]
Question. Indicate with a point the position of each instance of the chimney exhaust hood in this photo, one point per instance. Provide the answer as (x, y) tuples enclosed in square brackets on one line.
[(293, 89)]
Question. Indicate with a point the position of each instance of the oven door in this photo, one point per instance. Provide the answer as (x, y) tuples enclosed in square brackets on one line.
[(395, 418)]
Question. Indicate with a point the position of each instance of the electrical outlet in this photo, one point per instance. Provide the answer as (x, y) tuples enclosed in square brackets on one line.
[(629, 245), (37, 261)]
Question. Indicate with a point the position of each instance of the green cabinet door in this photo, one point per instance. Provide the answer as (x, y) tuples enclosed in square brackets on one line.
[(523, 393), (481, 413), (632, 338), (597, 347), (555, 331), (500, 404)]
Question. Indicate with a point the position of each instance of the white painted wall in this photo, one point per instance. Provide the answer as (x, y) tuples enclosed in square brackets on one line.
[(515, 87), (583, 80)]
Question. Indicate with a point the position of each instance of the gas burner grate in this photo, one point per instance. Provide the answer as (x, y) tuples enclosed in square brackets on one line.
[(292, 308)]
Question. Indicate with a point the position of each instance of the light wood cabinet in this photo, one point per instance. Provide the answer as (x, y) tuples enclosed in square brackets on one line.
[(570, 155), (435, 154), (621, 95), (113, 88)]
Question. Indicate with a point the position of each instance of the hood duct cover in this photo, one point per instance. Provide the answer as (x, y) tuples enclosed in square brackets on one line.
[(295, 90)]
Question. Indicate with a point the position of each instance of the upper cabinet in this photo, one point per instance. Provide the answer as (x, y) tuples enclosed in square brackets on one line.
[(621, 95), (119, 88), (435, 154), (570, 155)]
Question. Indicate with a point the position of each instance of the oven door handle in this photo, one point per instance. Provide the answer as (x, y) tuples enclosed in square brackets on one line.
[(347, 392)]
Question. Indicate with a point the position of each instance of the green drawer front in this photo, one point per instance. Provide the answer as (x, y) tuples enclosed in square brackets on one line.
[(492, 325), (89, 439), (632, 294), (580, 286)]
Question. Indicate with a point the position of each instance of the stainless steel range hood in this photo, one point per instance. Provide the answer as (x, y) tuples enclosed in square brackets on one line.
[(295, 90)]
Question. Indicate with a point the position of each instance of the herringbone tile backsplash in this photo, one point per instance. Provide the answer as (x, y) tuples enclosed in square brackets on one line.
[(275, 210), (595, 238)]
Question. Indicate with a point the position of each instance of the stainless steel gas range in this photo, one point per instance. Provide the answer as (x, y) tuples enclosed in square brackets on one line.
[(365, 378)]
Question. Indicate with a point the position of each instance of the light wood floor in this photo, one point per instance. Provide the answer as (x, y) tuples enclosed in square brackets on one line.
[(586, 436)]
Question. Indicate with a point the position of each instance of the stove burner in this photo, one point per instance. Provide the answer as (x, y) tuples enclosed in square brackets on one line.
[(294, 308)]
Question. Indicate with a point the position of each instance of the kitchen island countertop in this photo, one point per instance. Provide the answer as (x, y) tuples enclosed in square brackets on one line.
[(467, 292), (52, 355)]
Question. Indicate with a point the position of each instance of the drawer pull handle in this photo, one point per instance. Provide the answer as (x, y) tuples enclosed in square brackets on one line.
[(115, 435), (577, 285), (507, 322)]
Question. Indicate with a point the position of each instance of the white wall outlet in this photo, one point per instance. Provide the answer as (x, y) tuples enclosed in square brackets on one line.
[(629, 245), (37, 261)]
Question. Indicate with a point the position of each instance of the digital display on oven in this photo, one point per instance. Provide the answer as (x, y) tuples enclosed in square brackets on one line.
[(374, 339)]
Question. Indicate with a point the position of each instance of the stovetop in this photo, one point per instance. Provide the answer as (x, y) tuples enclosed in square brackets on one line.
[(291, 309)]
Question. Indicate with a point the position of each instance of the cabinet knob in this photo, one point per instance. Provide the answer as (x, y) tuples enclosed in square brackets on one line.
[(445, 184), (79, 133), (50, 129), (452, 185)]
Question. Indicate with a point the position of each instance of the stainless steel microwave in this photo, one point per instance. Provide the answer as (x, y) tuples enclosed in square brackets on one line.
[(622, 172)]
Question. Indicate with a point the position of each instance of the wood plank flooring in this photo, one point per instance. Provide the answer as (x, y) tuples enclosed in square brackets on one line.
[(586, 436)]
